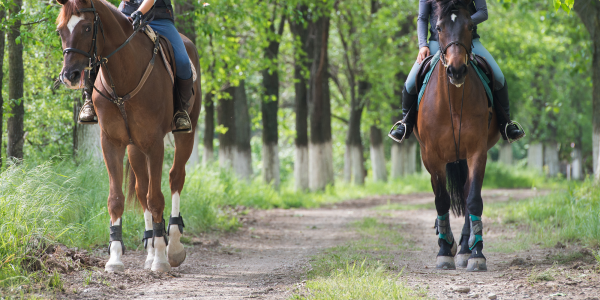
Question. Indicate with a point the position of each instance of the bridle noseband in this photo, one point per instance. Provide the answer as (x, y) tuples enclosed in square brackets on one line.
[(443, 52)]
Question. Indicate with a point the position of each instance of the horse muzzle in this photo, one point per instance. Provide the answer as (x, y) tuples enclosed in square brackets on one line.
[(458, 75), (72, 79)]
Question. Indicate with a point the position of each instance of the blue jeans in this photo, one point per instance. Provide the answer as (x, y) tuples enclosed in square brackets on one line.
[(478, 49), (167, 29)]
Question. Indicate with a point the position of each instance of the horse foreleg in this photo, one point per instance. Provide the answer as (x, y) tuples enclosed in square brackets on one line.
[(137, 160), (156, 206), (445, 257), (184, 144), (463, 255), (477, 261), (113, 156)]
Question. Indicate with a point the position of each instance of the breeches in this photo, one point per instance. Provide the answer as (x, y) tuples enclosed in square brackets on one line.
[(167, 29)]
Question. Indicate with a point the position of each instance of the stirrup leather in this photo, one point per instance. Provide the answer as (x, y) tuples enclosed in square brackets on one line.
[(510, 141), (401, 122)]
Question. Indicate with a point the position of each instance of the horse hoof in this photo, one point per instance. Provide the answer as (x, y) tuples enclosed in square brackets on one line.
[(445, 263), (114, 267), (476, 265), (462, 260), (176, 259), (148, 264), (161, 267)]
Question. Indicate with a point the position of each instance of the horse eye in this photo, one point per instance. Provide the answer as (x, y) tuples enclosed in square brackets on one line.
[(438, 28), (87, 29)]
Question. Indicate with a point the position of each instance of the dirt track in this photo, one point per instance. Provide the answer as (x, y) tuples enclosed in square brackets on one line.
[(268, 257)]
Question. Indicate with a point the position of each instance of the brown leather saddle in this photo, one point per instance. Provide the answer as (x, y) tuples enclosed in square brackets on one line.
[(479, 60), (166, 52)]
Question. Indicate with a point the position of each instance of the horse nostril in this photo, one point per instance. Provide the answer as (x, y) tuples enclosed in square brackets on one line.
[(74, 76)]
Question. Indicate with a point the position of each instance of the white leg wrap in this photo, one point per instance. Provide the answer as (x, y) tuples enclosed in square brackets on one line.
[(114, 263), (148, 226), (175, 249)]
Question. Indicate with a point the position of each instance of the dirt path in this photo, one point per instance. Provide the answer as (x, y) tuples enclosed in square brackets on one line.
[(268, 257)]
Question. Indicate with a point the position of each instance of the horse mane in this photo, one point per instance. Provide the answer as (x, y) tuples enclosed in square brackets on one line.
[(445, 7), (71, 7)]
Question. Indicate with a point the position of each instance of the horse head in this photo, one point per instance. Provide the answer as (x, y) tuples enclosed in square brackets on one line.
[(78, 30), (455, 30)]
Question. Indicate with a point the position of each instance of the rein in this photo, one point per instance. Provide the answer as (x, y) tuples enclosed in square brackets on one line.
[(98, 61)]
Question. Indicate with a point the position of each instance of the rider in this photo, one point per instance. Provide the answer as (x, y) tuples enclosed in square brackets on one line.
[(479, 13), (163, 23)]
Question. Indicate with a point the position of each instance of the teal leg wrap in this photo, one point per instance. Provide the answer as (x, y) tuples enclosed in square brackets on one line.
[(476, 231), (443, 228)]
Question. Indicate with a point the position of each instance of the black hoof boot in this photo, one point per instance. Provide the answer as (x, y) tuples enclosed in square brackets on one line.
[(445, 258), (477, 262), (463, 255)]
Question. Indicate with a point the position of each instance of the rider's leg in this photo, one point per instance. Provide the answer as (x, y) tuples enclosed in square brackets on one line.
[(500, 95), (87, 114), (184, 81), (409, 99)]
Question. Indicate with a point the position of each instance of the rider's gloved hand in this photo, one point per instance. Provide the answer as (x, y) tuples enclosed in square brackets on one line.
[(137, 17), (423, 53)]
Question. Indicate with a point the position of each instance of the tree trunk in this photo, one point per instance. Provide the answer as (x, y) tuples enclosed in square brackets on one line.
[(2, 44), (506, 154), (354, 166), (209, 129), (226, 119), (396, 105), (15, 86), (576, 167), (551, 158), (184, 20), (302, 63), (195, 156), (535, 156), (589, 13), (242, 157), (88, 143), (377, 154), (320, 148)]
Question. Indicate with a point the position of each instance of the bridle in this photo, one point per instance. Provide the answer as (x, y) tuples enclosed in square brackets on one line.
[(97, 61)]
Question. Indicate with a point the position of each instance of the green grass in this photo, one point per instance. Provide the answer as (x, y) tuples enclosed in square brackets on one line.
[(565, 216), (362, 269)]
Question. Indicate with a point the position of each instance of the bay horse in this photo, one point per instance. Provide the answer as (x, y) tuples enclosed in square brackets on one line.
[(455, 129), (136, 122)]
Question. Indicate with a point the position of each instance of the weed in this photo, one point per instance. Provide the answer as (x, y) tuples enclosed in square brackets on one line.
[(88, 279), (546, 275)]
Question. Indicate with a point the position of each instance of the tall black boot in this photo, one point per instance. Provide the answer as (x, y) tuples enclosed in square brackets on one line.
[(183, 94), (512, 132), (87, 114), (404, 128)]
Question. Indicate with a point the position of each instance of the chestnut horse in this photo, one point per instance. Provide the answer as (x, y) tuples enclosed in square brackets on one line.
[(92, 33), (455, 132)]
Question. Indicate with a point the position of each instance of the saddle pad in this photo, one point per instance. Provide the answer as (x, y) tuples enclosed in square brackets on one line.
[(480, 73)]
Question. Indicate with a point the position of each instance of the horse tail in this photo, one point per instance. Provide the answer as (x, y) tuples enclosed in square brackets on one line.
[(456, 177), (132, 181)]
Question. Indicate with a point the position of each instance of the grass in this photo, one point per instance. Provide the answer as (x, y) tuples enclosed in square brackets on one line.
[(565, 216), (362, 269), (542, 275)]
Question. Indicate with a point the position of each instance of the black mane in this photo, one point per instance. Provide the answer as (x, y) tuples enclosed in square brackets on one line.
[(445, 7)]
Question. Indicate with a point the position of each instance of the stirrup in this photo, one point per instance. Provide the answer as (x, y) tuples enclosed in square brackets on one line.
[(94, 121), (176, 116), (394, 126), (510, 141)]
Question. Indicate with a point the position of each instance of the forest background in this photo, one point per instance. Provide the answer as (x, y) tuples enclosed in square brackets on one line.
[(297, 96)]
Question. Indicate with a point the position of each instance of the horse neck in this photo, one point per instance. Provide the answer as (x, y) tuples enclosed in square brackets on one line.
[(125, 65)]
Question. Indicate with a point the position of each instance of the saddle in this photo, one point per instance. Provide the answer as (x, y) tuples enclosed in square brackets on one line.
[(476, 59), (167, 54)]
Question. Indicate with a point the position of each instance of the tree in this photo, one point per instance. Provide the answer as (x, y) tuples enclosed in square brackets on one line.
[(242, 156), (15, 86), (2, 44)]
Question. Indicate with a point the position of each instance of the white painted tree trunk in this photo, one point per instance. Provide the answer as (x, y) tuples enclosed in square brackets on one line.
[(270, 160), (242, 163), (551, 158), (195, 157), (506, 154), (225, 157), (410, 157), (535, 156), (320, 165), (208, 156), (348, 164), (88, 143), (576, 167), (301, 168), (358, 166), (596, 153), (396, 169), (378, 163)]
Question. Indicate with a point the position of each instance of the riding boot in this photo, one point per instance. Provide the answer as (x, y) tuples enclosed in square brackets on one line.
[(87, 114), (409, 115), (183, 94), (512, 132)]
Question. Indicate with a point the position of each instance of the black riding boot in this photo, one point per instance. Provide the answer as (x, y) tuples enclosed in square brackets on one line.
[(183, 94), (409, 115), (87, 114), (513, 132)]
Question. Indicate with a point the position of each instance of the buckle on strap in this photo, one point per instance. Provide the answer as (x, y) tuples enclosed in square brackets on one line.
[(159, 231), (176, 221), (401, 122), (148, 234), (116, 235)]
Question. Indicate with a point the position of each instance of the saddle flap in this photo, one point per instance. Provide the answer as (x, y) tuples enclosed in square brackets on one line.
[(423, 70), (486, 68), (166, 51)]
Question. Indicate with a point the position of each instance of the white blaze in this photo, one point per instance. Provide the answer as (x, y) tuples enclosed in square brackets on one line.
[(453, 17), (73, 22)]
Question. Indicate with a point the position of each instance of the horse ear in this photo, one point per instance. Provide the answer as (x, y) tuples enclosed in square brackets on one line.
[(62, 2)]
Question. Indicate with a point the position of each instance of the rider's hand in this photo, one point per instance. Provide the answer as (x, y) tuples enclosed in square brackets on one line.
[(423, 53), (137, 17)]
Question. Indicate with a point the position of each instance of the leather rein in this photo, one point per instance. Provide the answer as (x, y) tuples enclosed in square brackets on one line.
[(97, 61)]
